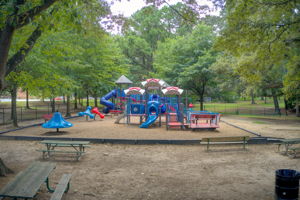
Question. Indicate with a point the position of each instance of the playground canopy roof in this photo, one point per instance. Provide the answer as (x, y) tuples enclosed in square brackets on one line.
[(123, 80), (134, 90), (172, 91), (153, 83)]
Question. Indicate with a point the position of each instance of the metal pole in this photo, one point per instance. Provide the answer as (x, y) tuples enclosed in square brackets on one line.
[(21, 114)]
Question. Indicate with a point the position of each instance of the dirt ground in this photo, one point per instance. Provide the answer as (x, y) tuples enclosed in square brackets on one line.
[(160, 171), (107, 129), (268, 127)]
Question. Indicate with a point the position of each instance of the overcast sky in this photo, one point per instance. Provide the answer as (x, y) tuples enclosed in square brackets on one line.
[(127, 8)]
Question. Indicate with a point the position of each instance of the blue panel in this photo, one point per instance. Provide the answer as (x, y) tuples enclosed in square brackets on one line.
[(137, 109)]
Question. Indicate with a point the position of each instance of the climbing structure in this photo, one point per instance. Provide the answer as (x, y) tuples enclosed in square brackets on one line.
[(159, 102)]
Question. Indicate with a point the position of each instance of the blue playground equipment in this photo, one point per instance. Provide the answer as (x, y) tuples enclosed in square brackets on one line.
[(153, 112), (109, 105), (151, 107), (57, 121), (87, 113)]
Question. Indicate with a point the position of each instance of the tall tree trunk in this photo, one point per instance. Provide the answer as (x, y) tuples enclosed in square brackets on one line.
[(6, 33), (297, 107), (87, 100), (14, 116), (27, 99), (96, 101), (68, 113), (75, 101), (285, 106), (201, 102), (276, 104), (252, 97), (5, 42), (19, 57), (53, 105), (3, 169), (64, 99), (265, 100), (79, 101)]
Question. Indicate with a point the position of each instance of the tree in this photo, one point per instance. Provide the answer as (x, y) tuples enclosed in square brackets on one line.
[(187, 60), (41, 15), (148, 26), (15, 15), (262, 36), (228, 84)]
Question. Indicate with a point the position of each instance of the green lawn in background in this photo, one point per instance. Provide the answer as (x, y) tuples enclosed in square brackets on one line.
[(238, 105)]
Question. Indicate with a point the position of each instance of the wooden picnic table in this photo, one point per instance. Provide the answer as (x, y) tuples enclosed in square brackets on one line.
[(77, 147), (27, 183), (287, 144)]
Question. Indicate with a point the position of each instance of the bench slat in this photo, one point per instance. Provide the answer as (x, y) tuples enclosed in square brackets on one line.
[(61, 187), (55, 142), (76, 152), (66, 145), (226, 140)]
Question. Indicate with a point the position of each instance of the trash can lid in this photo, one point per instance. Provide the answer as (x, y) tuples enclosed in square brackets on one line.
[(287, 173)]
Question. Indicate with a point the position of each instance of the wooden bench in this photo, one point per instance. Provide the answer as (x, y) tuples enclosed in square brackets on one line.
[(226, 140), (67, 147), (62, 187), (48, 153)]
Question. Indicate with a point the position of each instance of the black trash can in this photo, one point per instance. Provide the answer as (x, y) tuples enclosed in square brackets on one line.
[(287, 184)]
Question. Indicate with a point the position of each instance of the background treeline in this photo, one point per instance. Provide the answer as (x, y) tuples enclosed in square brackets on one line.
[(55, 48)]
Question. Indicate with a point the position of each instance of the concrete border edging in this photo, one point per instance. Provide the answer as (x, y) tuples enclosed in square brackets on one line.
[(254, 140), (254, 133), (29, 126)]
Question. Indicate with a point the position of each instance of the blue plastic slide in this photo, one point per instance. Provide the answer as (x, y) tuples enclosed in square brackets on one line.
[(104, 101), (152, 114)]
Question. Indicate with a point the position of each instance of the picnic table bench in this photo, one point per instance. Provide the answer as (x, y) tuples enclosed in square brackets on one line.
[(28, 182), (47, 117), (226, 140), (289, 149), (77, 147)]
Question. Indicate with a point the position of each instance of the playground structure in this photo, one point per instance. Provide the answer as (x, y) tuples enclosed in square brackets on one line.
[(57, 121), (96, 111), (87, 113), (114, 101), (157, 102)]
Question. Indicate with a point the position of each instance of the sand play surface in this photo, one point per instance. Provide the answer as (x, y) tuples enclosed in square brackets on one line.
[(159, 171), (108, 129)]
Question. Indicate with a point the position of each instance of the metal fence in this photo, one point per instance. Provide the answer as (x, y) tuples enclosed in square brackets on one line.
[(35, 112), (245, 111)]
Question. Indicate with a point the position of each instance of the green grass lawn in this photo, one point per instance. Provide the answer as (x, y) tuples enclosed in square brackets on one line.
[(246, 109), (238, 105)]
